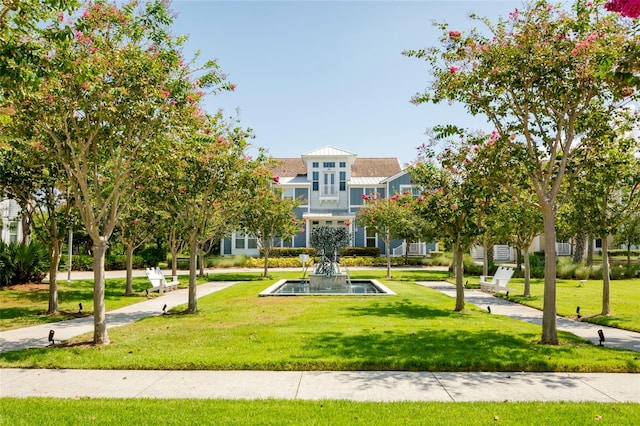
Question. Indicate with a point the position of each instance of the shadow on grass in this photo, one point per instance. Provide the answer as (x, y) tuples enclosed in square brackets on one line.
[(439, 350), (403, 308), (236, 276)]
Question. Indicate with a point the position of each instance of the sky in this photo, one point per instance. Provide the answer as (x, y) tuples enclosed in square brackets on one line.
[(316, 73)]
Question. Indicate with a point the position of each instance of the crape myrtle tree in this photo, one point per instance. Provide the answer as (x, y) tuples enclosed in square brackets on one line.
[(518, 222), (269, 215), (608, 189), (136, 225), (628, 234), (22, 55), (115, 86), (37, 183), (390, 218), (451, 199), (217, 179), (535, 75)]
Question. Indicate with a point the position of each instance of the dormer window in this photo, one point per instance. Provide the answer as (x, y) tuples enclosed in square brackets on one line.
[(343, 164), (315, 164)]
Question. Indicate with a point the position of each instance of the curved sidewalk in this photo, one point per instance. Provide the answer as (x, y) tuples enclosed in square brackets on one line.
[(614, 337), (37, 336)]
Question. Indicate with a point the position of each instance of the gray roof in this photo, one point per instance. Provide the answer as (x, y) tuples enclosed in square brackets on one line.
[(379, 168)]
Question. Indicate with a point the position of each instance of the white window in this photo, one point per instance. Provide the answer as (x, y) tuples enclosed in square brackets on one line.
[(370, 239), (414, 190), (288, 193), (329, 184), (13, 231), (245, 241)]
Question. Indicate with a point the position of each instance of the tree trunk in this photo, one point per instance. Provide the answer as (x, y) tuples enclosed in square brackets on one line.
[(459, 268), (581, 240), (100, 335), (265, 270), (129, 286), (387, 249), (55, 253), (193, 252), (549, 331), (518, 256), (26, 229), (201, 262), (174, 260), (527, 273), (485, 257), (606, 308), (590, 251)]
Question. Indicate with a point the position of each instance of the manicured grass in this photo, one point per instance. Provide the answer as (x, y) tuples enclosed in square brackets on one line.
[(415, 330), (625, 300), (45, 411), (23, 308)]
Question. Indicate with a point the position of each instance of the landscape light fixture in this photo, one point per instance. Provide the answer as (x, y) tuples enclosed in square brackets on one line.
[(507, 295), (164, 309), (489, 309), (80, 307), (578, 312), (601, 335), (51, 341)]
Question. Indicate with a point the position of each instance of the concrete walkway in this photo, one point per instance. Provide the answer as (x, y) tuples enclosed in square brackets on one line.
[(614, 337), (315, 385), (37, 335), (350, 385)]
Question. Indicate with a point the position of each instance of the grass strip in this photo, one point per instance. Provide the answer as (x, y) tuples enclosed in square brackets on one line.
[(47, 411)]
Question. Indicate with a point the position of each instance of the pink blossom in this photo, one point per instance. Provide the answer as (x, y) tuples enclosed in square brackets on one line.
[(61, 17), (453, 34), (453, 69), (494, 137), (395, 197), (347, 223), (172, 102), (365, 197), (85, 14), (276, 179), (628, 8), (164, 93), (454, 206), (232, 87)]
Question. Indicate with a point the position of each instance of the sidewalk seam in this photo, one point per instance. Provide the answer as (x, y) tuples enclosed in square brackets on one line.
[(444, 388), (298, 387)]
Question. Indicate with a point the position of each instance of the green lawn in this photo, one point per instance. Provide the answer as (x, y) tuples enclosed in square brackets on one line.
[(415, 330), (23, 308), (625, 300), (48, 411)]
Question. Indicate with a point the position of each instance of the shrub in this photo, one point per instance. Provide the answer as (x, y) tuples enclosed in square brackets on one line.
[(119, 262), (565, 268), (618, 273), (22, 263), (82, 262), (436, 253), (583, 272), (152, 255), (289, 252), (361, 251), (441, 260)]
